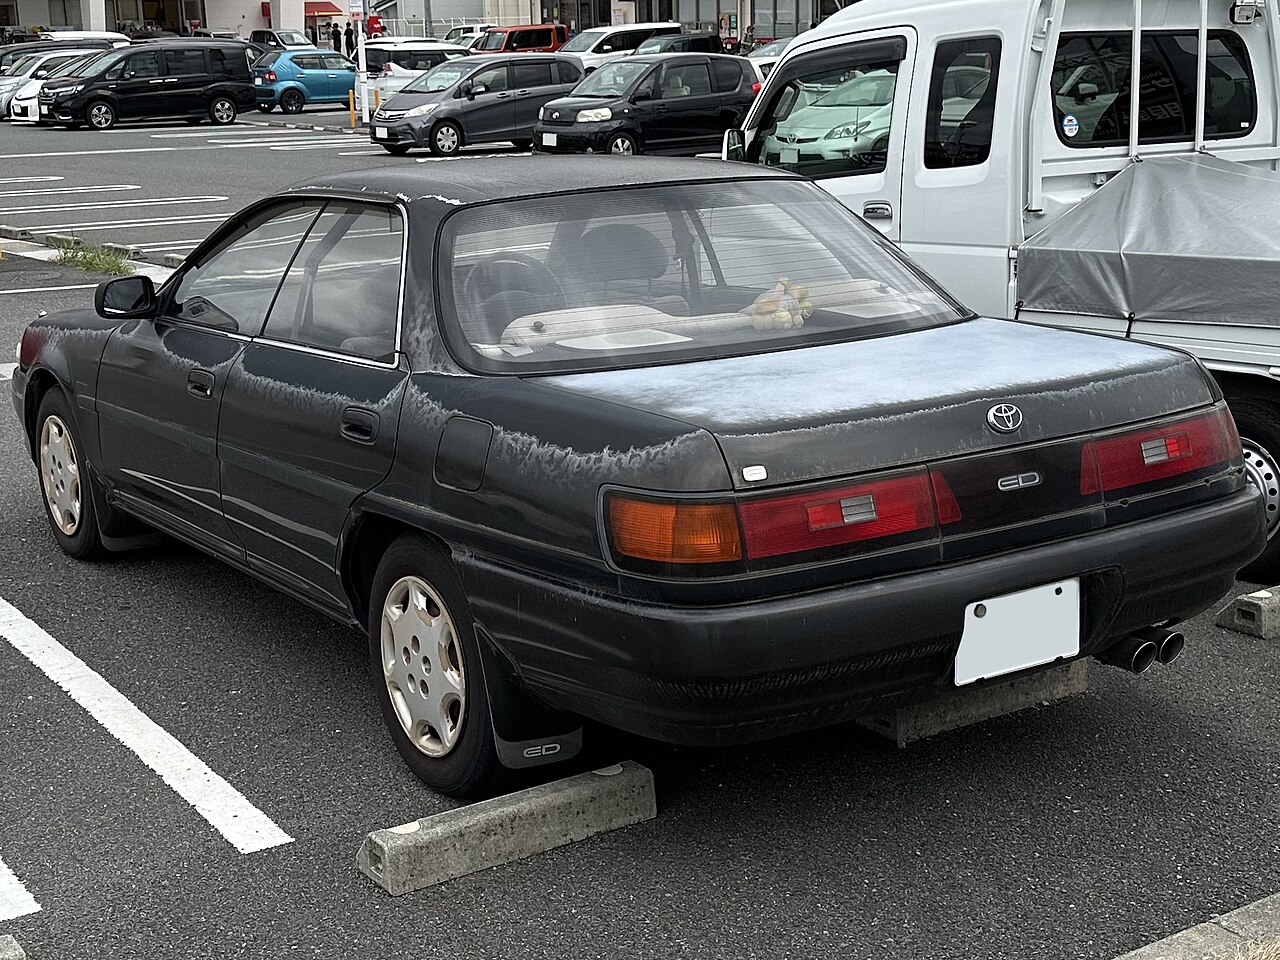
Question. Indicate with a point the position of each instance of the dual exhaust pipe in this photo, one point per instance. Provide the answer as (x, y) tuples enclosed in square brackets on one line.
[(1143, 648)]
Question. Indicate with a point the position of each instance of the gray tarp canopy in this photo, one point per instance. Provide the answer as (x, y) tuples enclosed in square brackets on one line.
[(1173, 238)]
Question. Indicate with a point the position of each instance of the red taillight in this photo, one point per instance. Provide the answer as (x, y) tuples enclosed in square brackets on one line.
[(794, 523), (1158, 452), (269, 76), (755, 88)]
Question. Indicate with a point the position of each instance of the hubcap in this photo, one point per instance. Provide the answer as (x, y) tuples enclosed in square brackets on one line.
[(1261, 469), (60, 475), (621, 145), (422, 666), (223, 111), (100, 115), (447, 139)]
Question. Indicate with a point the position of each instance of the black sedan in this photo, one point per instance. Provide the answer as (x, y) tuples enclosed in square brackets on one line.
[(689, 451), (676, 104)]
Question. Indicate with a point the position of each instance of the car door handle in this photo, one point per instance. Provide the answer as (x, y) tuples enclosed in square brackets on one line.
[(200, 384), (333, 76), (877, 210), (156, 81), (359, 425), (503, 96), (661, 109), (523, 93)]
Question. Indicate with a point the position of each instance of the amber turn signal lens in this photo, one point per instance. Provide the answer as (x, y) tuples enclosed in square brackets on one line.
[(674, 532)]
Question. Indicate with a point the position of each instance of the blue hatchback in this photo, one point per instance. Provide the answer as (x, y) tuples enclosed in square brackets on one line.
[(294, 78)]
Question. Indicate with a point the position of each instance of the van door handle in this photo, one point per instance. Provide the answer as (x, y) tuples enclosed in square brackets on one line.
[(523, 93), (359, 425), (877, 210), (661, 109), (200, 384)]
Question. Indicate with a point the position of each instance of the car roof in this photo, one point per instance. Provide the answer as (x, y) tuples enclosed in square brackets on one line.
[(522, 26), (480, 179), (632, 26), (420, 44)]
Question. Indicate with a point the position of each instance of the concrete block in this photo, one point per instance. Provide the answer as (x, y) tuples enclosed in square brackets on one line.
[(1259, 920), (1254, 614), (507, 828), (15, 233), (918, 721), (123, 249), (1208, 941), (62, 241), (10, 949), (173, 260)]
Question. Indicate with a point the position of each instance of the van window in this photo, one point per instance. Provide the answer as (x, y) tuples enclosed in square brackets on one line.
[(728, 74), (684, 80), (831, 112), (1091, 88), (531, 39), (184, 61), (228, 64), (961, 109), (569, 73), (536, 74), (139, 65)]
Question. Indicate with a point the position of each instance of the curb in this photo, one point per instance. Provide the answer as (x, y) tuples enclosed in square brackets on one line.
[(1221, 938), (316, 127), (508, 828)]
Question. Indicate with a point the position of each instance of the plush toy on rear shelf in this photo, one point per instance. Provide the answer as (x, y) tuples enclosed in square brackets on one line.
[(785, 307)]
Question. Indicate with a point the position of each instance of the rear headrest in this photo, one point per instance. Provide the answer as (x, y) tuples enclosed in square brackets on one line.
[(619, 251)]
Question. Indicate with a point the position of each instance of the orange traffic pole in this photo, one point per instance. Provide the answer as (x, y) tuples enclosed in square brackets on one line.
[(351, 105), (377, 98)]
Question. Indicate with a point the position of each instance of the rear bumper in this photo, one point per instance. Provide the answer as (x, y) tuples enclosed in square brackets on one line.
[(750, 671)]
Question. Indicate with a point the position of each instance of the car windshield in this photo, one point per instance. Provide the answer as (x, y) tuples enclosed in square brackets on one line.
[(106, 62), (611, 80), (492, 41), (652, 45), (606, 279), (81, 67), (440, 78), (770, 49), (22, 67), (291, 36), (581, 43)]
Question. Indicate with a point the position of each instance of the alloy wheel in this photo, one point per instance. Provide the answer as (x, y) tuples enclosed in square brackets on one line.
[(622, 146), (60, 475), (224, 111), (101, 116), (422, 666)]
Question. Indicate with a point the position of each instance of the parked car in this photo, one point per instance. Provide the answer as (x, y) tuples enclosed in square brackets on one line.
[(35, 67), (562, 450), (486, 99), (294, 78), (79, 36), (24, 107), (464, 33), (411, 60), (529, 38), (681, 43), (670, 103), (282, 39), (842, 126), (12, 53), (216, 33), (599, 45), (193, 81)]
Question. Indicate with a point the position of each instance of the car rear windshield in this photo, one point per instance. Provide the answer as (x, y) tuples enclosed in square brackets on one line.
[(267, 60), (441, 78), (605, 279)]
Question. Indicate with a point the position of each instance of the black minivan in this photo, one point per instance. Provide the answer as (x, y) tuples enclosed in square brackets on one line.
[(671, 103), (160, 80), (480, 99)]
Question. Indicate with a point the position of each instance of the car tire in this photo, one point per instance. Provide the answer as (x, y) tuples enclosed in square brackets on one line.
[(406, 647), (395, 149), (222, 111), (1258, 420), (622, 144), (101, 115), (292, 101), (64, 479), (446, 138), (266, 107)]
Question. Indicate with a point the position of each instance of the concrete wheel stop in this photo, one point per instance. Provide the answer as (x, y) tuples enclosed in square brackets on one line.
[(10, 949), (1254, 614), (507, 828)]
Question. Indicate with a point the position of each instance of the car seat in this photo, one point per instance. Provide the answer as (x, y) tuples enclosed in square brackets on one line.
[(618, 263), (673, 86)]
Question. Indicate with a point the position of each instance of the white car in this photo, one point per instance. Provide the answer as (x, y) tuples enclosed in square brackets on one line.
[(62, 36), (35, 66), (599, 45), (24, 105)]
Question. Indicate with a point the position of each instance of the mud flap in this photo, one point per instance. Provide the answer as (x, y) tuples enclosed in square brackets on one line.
[(526, 733)]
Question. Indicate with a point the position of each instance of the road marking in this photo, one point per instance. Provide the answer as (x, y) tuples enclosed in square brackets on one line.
[(362, 153), (108, 188), (85, 153), (6, 370), (112, 204), (15, 900), (206, 134), (171, 245), (142, 222), (246, 827), (73, 286), (30, 179)]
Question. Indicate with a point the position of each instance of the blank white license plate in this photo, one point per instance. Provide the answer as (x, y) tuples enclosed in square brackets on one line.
[(45, 111), (257, 81), (1019, 630), (549, 139), (380, 132)]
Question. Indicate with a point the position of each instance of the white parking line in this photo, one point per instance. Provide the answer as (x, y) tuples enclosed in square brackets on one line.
[(72, 286), (173, 245), (362, 153), (6, 370), (246, 827), (195, 135), (87, 153), (141, 222), (149, 202), (15, 900), (30, 179), (59, 191)]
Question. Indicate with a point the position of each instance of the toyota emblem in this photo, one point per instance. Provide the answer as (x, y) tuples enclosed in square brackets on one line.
[(555, 115), (1004, 418)]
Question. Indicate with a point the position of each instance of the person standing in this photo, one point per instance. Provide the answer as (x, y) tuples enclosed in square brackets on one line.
[(350, 35), (335, 37)]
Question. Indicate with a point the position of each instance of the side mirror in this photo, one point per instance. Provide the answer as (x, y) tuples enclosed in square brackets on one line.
[(40, 74), (475, 90), (641, 95), (735, 145), (125, 298), (1086, 91), (606, 49)]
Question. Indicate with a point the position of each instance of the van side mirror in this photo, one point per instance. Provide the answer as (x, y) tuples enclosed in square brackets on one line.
[(125, 298), (1086, 91), (644, 93), (735, 145), (606, 49), (40, 74), (475, 90)]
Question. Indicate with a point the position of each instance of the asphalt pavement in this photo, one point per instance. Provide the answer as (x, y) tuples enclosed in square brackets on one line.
[(1076, 831)]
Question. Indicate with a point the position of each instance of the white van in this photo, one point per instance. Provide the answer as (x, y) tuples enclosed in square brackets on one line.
[(599, 45), (392, 65), (117, 39)]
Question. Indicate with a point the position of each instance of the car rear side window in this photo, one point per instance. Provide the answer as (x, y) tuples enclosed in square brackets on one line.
[(961, 112), (307, 62), (602, 279), (569, 73), (537, 74), (342, 293), (727, 74), (333, 61), (268, 60), (229, 64), (532, 39), (185, 61), (1091, 86), (232, 286), (684, 80)]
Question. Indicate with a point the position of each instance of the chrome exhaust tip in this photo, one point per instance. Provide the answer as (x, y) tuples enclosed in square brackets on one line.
[(1133, 653), (1169, 643)]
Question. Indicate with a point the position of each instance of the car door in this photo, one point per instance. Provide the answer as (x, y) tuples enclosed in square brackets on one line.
[(312, 75), (533, 83), (733, 78), (161, 382), (140, 88), (311, 408), (488, 112), (340, 75), (687, 109), (862, 172), (186, 78)]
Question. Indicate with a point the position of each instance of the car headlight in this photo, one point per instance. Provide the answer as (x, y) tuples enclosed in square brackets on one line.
[(848, 130), (542, 113), (67, 91), (420, 111), (595, 116)]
